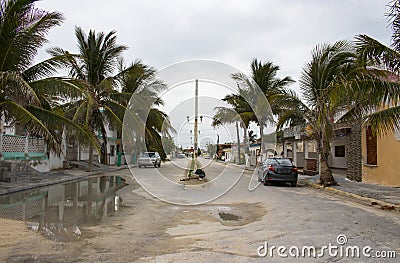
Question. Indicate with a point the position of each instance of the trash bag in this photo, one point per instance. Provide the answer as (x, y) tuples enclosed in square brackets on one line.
[(200, 173)]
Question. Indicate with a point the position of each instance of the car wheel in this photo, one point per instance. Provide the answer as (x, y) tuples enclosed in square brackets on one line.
[(293, 184), (265, 181), (159, 165)]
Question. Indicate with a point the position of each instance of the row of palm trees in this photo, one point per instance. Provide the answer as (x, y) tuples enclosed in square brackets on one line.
[(91, 98), (246, 106), (347, 81)]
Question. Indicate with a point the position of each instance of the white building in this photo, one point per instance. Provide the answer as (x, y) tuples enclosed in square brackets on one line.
[(16, 144)]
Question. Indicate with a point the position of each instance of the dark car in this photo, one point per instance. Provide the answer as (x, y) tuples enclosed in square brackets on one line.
[(277, 170), (149, 159)]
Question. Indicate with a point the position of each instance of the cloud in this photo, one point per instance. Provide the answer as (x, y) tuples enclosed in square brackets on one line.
[(231, 31), (165, 32)]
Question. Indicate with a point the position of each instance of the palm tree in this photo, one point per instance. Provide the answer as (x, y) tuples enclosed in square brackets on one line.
[(384, 61), (252, 136), (263, 77), (320, 77), (23, 86), (239, 111), (91, 71), (140, 80), (337, 86), (233, 114)]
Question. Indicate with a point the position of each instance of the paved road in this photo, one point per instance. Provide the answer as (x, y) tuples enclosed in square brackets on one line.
[(282, 216), (230, 228), (164, 182)]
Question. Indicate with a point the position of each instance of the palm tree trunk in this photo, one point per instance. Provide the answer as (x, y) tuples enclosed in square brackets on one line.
[(326, 176), (90, 157), (245, 140), (262, 142)]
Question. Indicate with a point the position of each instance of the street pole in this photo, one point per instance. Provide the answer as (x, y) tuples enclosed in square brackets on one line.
[(196, 113), (238, 142)]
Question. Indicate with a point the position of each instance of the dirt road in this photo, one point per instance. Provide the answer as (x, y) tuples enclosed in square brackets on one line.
[(229, 229)]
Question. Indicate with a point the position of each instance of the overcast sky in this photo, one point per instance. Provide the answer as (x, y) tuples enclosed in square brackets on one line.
[(232, 31), (164, 32)]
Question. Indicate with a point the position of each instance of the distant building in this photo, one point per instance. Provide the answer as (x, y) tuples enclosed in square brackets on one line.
[(302, 150), (17, 144), (365, 157), (78, 152)]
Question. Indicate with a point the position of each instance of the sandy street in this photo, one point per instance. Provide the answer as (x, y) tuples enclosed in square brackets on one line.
[(228, 229)]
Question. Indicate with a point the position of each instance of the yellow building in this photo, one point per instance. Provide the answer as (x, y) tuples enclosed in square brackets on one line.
[(381, 158)]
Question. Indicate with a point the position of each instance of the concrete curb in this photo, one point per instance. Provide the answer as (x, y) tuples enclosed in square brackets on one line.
[(42, 184), (66, 179), (102, 172), (247, 168), (354, 196)]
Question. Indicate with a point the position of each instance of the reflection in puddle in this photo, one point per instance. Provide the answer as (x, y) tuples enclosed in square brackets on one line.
[(58, 211)]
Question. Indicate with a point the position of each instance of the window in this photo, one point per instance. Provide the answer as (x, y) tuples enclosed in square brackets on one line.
[(340, 151), (278, 161), (372, 147)]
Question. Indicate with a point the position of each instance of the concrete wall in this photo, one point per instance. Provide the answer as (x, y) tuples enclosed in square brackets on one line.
[(337, 162), (300, 159), (112, 159), (387, 170)]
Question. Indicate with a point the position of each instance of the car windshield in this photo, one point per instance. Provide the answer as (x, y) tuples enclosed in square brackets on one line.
[(150, 154), (279, 161)]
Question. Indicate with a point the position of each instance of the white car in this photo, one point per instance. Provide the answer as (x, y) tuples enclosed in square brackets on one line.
[(149, 159)]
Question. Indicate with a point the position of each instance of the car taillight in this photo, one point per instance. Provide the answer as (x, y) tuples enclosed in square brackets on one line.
[(294, 169), (271, 168)]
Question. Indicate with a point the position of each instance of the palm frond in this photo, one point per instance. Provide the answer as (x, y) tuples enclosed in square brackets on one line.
[(22, 32), (384, 122), (374, 53)]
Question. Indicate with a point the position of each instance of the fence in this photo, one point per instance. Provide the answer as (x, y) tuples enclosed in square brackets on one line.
[(24, 209), (15, 147)]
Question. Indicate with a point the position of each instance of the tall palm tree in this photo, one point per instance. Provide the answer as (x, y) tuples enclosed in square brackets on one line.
[(384, 63), (263, 76), (239, 111), (139, 80), (91, 72), (318, 81), (337, 87), (23, 85), (233, 114)]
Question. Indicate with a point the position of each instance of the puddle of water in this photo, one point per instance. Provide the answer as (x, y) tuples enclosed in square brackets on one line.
[(58, 211)]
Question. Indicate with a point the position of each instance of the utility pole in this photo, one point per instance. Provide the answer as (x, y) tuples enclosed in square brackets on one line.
[(238, 142), (196, 113)]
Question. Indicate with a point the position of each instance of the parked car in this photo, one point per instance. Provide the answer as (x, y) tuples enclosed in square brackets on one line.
[(277, 170), (149, 159), (206, 156), (181, 155)]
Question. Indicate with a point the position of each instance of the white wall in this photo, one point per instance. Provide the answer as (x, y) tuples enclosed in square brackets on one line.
[(337, 162)]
